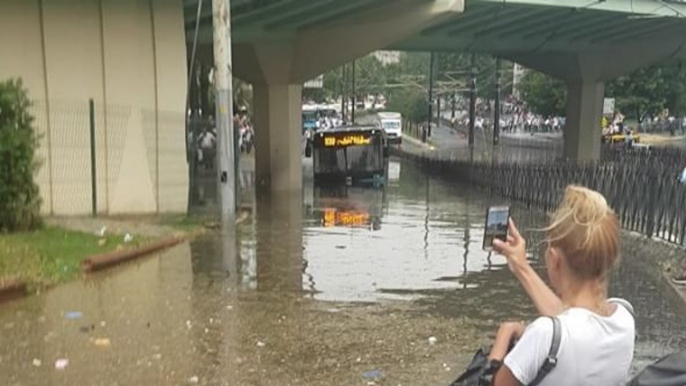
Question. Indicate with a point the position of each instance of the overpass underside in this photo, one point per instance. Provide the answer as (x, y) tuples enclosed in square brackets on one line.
[(128, 56), (278, 44)]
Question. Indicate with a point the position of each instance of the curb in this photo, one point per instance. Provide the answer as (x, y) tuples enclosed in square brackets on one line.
[(106, 260), (12, 289)]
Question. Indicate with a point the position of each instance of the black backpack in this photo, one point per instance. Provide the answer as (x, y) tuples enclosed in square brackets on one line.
[(480, 372), (668, 371)]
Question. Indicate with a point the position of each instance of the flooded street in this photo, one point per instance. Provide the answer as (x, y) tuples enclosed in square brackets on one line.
[(332, 287)]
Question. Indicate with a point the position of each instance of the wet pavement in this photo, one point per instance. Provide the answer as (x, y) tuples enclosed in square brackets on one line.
[(333, 287)]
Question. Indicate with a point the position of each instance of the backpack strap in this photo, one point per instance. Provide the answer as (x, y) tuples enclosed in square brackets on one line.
[(551, 360)]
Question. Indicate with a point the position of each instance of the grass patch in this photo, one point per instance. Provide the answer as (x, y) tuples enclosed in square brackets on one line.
[(51, 255), (183, 222)]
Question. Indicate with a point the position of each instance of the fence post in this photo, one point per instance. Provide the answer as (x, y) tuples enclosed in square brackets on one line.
[(94, 187)]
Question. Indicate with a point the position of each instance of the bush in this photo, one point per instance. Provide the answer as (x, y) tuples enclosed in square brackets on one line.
[(19, 197)]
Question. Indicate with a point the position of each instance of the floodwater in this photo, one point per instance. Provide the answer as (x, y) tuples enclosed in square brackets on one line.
[(332, 287)]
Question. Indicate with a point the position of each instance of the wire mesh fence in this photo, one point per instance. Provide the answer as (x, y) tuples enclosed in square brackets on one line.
[(138, 153), (641, 185)]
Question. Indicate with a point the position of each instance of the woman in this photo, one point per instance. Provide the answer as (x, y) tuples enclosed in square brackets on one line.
[(597, 341)]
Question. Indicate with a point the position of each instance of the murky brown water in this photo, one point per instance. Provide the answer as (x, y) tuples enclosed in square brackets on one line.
[(313, 290)]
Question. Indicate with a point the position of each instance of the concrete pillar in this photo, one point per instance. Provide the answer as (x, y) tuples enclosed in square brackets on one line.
[(278, 135), (584, 111)]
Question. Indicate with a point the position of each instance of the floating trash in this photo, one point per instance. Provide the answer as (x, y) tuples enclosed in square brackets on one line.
[(372, 375), (74, 315), (61, 364), (37, 362), (432, 340), (102, 342)]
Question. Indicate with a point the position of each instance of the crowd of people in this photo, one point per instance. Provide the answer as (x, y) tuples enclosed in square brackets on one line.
[(202, 137)]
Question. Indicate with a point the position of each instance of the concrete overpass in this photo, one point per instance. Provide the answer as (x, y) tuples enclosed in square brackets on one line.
[(130, 57), (278, 44)]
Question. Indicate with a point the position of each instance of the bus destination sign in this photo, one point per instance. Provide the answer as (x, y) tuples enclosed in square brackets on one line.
[(345, 140)]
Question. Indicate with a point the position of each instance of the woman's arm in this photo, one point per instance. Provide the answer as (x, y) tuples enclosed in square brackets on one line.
[(507, 333), (504, 377), (544, 299)]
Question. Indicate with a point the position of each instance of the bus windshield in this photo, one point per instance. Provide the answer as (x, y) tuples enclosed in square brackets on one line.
[(352, 159)]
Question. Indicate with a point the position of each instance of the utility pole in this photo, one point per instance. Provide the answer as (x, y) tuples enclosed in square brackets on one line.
[(343, 95), (496, 108), (431, 92), (472, 100), (354, 96), (226, 184)]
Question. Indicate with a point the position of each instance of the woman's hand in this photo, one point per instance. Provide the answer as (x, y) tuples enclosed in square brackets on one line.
[(507, 333), (545, 300), (514, 249)]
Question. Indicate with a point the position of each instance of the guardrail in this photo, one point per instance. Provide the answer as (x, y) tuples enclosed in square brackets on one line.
[(642, 186)]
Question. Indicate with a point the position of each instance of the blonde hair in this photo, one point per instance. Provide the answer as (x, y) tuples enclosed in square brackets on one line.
[(585, 229)]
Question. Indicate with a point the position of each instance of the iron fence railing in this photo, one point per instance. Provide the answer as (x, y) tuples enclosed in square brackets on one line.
[(642, 186)]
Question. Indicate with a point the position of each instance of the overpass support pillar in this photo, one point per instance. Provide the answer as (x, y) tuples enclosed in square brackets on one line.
[(584, 111), (278, 135)]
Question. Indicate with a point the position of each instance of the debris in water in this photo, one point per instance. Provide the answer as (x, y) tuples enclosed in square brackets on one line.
[(194, 379), (340, 247), (61, 364), (374, 375), (103, 323), (37, 362), (260, 344), (432, 340), (74, 315), (102, 342)]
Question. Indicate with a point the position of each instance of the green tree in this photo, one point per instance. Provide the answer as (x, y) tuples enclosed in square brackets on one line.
[(19, 197), (641, 94), (543, 94)]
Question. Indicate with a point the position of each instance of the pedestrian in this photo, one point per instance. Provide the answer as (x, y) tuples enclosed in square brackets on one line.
[(597, 333)]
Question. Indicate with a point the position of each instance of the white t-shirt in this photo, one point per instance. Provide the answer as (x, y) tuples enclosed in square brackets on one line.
[(594, 350)]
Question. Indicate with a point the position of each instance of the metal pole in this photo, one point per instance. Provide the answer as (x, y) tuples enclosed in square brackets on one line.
[(344, 104), (496, 112), (94, 179), (352, 120), (438, 111), (226, 185), (453, 101), (472, 100), (431, 92)]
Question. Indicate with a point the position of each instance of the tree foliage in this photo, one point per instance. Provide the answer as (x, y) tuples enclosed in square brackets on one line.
[(543, 94), (19, 197), (649, 91)]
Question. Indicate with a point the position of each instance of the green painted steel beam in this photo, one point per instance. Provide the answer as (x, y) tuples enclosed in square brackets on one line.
[(592, 31), (665, 30), (267, 13), (469, 21), (637, 28), (580, 21), (345, 13), (538, 26), (528, 16), (308, 12), (470, 12), (499, 15)]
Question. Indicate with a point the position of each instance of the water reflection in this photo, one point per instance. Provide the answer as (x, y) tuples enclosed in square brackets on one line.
[(302, 293)]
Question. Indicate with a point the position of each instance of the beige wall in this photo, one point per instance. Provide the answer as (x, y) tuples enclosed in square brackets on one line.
[(129, 57)]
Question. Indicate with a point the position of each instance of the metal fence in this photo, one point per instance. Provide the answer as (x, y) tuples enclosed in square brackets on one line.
[(642, 186)]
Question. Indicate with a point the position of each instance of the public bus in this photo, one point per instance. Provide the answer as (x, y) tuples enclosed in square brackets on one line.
[(350, 155)]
